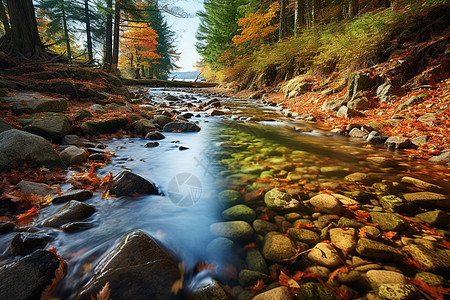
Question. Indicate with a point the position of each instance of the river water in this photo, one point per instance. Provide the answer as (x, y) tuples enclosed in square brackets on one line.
[(228, 153)]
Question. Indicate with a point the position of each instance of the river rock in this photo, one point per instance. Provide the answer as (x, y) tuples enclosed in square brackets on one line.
[(30, 276), (49, 126), (346, 222), (24, 243), (434, 217), (375, 137), (428, 199), (279, 293), (109, 126), (397, 291), (394, 204), (181, 127), (443, 157), (431, 260), (431, 279), (4, 125), (137, 268), (263, 227), (314, 290), (304, 235), (162, 120), (71, 212), (280, 201), (79, 195), (374, 249), (98, 109), (326, 203), (220, 245), (76, 226), (127, 183), (155, 135), (388, 221), (422, 184), (371, 232), (31, 102), (357, 133), (420, 140), (6, 227), (278, 247), (73, 156), (151, 145), (397, 142), (343, 238), (207, 289), (325, 255), (229, 198), (239, 231), (143, 126), (255, 261), (21, 146), (249, 277), (36, 188), (378, 277), (239, 212)]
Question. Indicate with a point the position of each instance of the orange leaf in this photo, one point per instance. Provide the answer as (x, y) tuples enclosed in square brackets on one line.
[(208, 267), (251, 245), (258, 286), (436, 292), (287, 281), (103, 294), (389, 235), (343, 269)]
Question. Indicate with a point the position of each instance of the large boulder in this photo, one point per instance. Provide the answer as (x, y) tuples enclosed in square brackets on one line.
[(25, 243), (30, 276), (28, 103), (137, 268), (103, 127), (49, 126), (181, 127), (127, 183), (143, 126), (359, 83), (4, 125), (21, 146)]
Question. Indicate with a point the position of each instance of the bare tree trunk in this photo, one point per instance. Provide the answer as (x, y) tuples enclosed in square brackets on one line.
[(108, 40), (88, 30), (66, 32), (299, 15), (115, 55), (4, 18), (353, 8), (281, 29), (24, 36)]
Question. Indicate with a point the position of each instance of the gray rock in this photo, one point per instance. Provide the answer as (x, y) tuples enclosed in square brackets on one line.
[(4, 125), (434, 217), (32, 102), (255, 261), (71, 212), (326, 203), (49, 126), (36, 188), (346, 112), (422, 184), (82, 114), (21, 146), (239, 212), (208, 289), (181, 127), (281, 202), (375, 137), (278, 247), (229, 198), (98, 109), (374, 249), (220, 245), (127, 183), (25, 243), (388, 221), (76, 226), (325, 255), (153, 145), (239, 231), (379, 277), (263, 227), (420, 140), (428, 199), (137, 268), (144, 126), (279, 293), (333, 104), (346, 222), (397, 142), (248, 277), (343, 238), (316, 291), (304, 235), (443, 157), (411, 101), (108, 126), (161, 120), (73, 156), (155, 135), (431, 260), (385, 92), (323, 272), (397, 291), (79, 195), (30, 276)]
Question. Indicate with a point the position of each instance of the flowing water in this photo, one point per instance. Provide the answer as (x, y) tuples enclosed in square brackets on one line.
[(227, 153)]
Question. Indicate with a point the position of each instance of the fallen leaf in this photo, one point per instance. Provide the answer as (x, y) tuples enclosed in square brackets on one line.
[(258, 286)]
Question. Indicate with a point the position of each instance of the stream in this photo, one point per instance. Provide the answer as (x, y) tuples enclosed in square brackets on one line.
[(252, 147)]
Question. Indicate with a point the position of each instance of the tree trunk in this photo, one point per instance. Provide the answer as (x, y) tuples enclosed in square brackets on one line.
[(24, 36), (66, 32), (281, 29), (115, 56), (108, 40), (88, 30), (4, 18), (299, 15), (353, 8)]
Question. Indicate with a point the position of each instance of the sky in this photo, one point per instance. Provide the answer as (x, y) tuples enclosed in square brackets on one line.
[(186, 30)]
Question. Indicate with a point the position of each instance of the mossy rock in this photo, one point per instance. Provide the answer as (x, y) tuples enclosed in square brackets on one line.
[(104, 127), (46, 75), (64, 87), (79, 73), (316, 291)]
